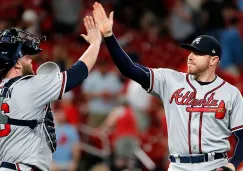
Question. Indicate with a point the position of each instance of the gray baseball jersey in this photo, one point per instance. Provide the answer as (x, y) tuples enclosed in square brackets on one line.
[(199, 118), (27, 99)]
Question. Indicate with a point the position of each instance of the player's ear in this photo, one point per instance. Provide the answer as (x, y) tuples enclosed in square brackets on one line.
[(214, 60), (18, 65)]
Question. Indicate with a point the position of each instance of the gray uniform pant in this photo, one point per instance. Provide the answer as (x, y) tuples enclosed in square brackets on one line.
[(204, 166)]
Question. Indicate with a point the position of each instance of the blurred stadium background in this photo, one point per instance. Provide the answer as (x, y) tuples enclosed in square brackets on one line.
[(109, 122)]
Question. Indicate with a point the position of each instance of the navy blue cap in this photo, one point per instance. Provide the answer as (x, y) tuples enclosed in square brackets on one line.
[(204, 44)]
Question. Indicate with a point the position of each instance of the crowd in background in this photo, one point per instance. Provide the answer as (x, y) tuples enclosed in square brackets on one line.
[(117, 108)]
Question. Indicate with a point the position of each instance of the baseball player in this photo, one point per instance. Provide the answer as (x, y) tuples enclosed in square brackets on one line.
[(202, 110), (27, 131)]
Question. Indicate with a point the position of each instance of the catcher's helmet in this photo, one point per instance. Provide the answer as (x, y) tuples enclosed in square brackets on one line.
[(14, 44)]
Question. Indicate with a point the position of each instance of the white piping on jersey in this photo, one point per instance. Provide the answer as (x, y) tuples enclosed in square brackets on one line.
[(147, 73), (9, 89), (136, 65), (142, 69), (240, 128), (236, 145), (65, 83), (151, 81)]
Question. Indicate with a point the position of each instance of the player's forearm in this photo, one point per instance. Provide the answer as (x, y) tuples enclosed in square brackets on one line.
[(90, 55), (125, 64), (238, 157), (120, 58), (79, 71), (76, 75)]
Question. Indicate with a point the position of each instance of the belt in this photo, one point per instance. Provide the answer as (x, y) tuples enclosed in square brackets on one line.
[(197, 158), (8, 165), (16, 166)]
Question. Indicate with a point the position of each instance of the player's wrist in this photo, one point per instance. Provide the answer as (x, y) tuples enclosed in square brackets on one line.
[(95, 43), (108, 34)]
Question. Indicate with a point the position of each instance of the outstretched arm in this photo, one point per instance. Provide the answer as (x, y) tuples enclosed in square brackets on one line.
[(93, 37), (79, 71), (136, 72), (126, 66)]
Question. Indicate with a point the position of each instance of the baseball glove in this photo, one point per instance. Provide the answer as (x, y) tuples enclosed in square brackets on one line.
[(223, 168)]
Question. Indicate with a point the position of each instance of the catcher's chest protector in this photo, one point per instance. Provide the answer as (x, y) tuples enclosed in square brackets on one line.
[(48, 120)]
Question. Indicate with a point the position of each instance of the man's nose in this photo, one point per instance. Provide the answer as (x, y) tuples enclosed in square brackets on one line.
[(190, 57)]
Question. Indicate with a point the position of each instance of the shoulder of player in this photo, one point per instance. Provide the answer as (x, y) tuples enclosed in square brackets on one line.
[(46, 76), (22, 80), (168, 72), (231, 87), (38, 80), (165, 70)]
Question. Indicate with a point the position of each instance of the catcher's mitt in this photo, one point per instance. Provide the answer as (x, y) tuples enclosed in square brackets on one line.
[(223, 168)]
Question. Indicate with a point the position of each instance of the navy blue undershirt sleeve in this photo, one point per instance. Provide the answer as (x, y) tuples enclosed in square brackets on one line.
[(238, 157), (76, 75), (127, 67)]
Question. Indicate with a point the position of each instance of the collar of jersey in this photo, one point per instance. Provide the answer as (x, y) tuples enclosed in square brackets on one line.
[(210, 86)]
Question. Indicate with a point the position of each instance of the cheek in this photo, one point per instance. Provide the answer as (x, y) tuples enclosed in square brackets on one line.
[(203, 62)]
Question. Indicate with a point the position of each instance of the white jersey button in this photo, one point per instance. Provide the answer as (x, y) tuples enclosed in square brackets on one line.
[(195, 147), (194, 131)]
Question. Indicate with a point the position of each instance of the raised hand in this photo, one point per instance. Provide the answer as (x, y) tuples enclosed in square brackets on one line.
[(93, 34), (104, 23)]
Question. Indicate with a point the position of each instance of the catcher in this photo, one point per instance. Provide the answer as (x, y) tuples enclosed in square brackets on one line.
[(27, 131)]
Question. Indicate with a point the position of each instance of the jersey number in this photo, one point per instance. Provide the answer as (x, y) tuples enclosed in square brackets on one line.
[(5, 130)]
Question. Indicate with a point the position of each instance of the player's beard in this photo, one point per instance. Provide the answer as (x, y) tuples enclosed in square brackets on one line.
[(27, 69), (196, 70)]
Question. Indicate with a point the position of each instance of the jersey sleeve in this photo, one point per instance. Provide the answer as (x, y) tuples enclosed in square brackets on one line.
[(160, 80), (236, 116), (47, 88)]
